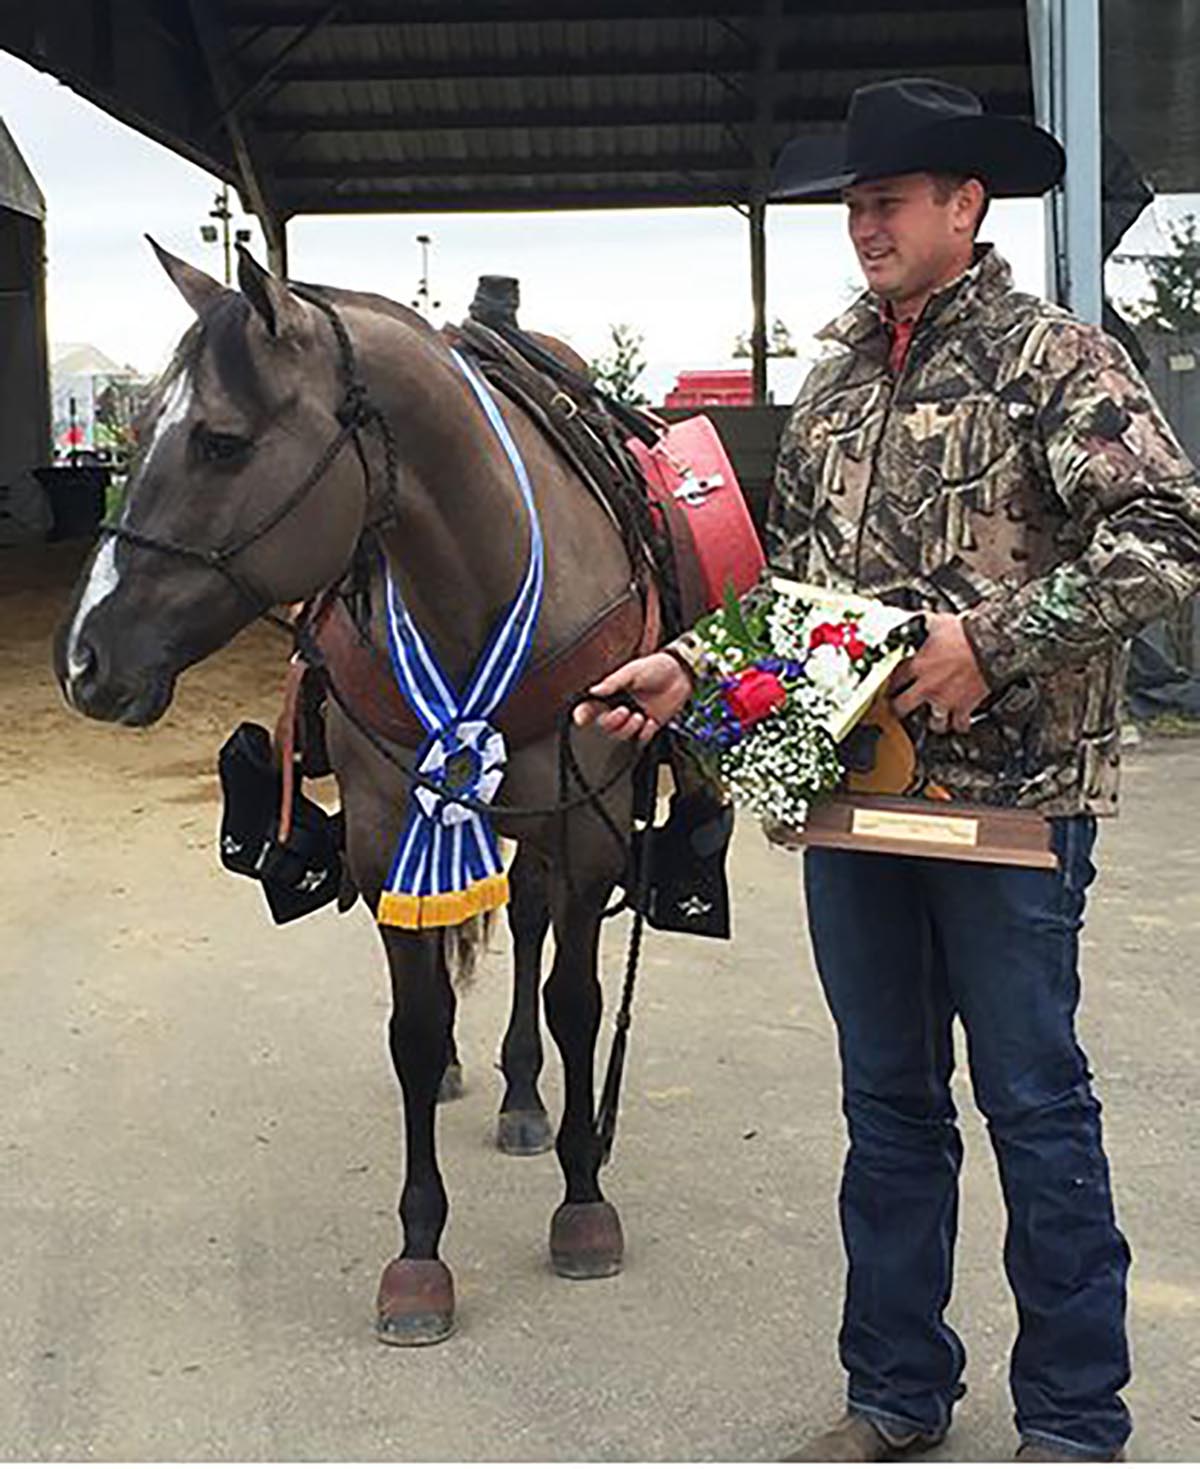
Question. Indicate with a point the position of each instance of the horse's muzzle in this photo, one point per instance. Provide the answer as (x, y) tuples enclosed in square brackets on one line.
[(91, 685)]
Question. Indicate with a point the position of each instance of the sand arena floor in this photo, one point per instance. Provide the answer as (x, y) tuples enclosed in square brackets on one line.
[(199, 1149)]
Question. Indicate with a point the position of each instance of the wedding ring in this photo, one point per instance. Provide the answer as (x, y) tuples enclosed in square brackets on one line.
[(939, 718)]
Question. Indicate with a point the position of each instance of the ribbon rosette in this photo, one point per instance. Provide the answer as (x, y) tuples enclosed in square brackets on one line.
[(468, 760)]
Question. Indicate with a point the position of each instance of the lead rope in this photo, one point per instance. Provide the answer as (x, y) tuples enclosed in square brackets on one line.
[(610, 1093), (639, 865)]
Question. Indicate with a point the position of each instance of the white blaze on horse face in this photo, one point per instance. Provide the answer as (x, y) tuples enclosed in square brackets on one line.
[(104, 577), (101, 583), (175, 404)]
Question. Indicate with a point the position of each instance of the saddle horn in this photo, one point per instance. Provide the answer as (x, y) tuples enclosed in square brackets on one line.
[(496, 300)]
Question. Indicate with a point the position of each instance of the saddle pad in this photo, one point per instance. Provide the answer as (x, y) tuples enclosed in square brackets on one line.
[(688, 471)]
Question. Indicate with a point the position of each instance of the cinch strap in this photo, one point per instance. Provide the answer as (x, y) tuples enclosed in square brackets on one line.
[(447, 865)]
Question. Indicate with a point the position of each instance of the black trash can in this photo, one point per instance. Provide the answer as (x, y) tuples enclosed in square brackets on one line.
[(76, 493)]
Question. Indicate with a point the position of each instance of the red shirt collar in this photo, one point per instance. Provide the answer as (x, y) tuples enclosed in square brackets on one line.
[(899, 334)]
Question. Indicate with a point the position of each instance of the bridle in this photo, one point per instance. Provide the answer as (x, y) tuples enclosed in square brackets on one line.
[(354, 413)]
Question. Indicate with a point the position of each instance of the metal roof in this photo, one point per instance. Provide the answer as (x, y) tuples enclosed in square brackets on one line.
[(1151, 87), (634, 104), (345, 106), (505, 104)]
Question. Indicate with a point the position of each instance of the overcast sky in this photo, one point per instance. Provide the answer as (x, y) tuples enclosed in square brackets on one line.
[(680, 276)]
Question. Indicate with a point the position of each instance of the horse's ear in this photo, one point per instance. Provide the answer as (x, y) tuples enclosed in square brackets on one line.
[(196, 288), (281, 312)]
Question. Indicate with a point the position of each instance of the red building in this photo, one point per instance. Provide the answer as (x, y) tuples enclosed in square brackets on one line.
[(727, 387)]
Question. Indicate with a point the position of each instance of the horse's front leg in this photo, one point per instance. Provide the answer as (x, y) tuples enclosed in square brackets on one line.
[(415, 1306), (452, 1085), (585, 1232), (523, 1127)]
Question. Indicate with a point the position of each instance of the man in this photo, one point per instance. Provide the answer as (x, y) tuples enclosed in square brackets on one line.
[(979, 454)]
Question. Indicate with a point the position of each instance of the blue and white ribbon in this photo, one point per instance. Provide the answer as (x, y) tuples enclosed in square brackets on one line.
[(447, 865)]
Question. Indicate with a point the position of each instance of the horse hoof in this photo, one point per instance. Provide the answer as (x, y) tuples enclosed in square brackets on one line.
[(451, 1087), (586, 1241), (522, 1134), (415, 1305)]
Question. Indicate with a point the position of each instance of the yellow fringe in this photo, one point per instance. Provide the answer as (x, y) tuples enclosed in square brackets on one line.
[(402, 910)]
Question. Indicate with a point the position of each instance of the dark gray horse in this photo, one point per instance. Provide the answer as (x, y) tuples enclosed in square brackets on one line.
[(214, 532)]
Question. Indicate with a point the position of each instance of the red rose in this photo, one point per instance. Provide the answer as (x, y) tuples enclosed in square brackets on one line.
[(838, 635), (754, 695), (833, 633)]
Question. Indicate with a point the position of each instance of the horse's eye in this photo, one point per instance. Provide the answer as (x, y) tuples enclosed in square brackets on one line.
[(213, 447)]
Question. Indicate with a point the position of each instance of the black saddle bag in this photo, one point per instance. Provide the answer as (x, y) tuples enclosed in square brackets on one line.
[(298, 876), (687, 890)]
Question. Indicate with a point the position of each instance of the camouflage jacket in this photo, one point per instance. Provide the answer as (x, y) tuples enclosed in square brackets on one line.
[(1017, 471)]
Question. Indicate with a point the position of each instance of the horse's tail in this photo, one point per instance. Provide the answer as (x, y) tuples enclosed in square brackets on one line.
[(462, 946)]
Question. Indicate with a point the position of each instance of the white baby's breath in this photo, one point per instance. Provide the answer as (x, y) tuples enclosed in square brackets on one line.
[(786, 761), (786, 627)]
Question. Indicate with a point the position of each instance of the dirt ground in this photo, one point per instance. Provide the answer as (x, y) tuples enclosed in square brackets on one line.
[(199, 1149)]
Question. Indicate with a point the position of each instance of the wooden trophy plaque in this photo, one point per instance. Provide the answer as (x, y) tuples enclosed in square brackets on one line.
[(878, 810), (908, 826)]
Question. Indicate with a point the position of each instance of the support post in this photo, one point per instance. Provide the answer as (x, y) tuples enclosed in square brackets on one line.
[(1064, 38), (252, 183), (766, 85), (275, 231), (758, 293)]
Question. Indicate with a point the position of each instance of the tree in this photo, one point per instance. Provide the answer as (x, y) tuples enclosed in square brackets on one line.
[(1173, 304), (618, 371), (779, 341), (110, 420)]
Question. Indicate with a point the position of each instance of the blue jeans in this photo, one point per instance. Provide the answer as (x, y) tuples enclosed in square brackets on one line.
[(904, 944)]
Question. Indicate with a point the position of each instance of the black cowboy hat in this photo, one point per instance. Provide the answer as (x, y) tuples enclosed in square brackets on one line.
[(916, 125)]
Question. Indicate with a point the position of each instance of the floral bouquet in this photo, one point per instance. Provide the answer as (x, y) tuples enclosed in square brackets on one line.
[(789, 671)]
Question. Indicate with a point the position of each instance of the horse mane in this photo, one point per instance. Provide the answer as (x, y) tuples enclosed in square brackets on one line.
[(337, 296), (370, 300)]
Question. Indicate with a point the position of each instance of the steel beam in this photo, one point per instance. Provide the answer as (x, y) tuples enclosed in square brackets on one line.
[(1065, 49), (241, 102), (758, 297), (476, 200), (845, 57), (766, 82), (478, 12), (487, 65), (730, 111), (485, 168), (214, 47)]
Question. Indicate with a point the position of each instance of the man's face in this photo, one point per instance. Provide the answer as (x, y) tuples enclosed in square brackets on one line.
[(907, 241)]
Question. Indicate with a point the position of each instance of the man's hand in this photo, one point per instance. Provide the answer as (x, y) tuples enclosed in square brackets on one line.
[(944, 674), (657, 682)]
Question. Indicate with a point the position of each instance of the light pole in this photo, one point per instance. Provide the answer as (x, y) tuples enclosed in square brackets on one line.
[(423, 301), (209, 233)]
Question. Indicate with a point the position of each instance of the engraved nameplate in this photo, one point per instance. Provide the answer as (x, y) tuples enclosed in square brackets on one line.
[(950, 831)]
